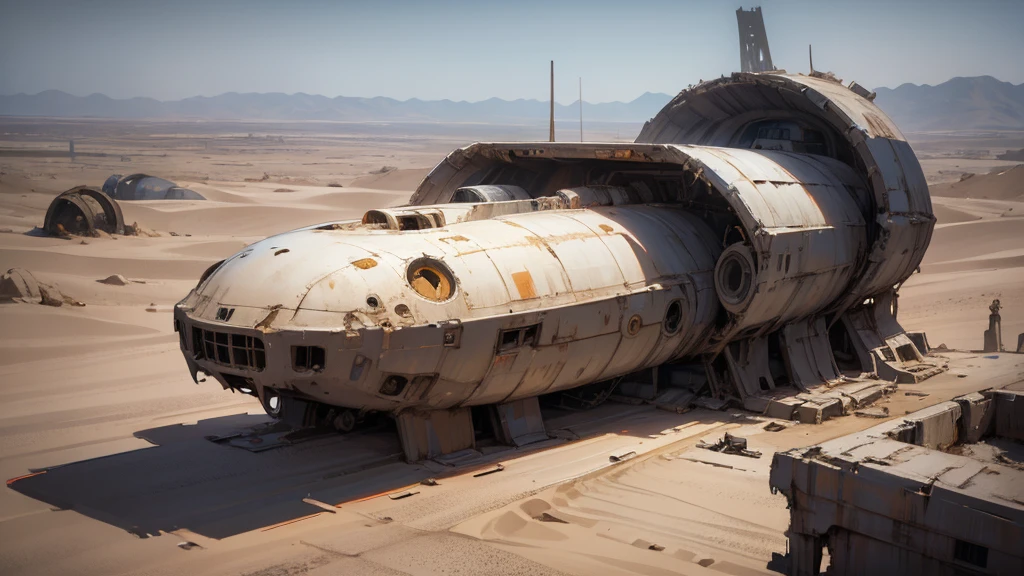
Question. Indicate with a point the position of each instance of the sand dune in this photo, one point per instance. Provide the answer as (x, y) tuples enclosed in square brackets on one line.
[(392, 180), (974, 239), (947, 215), (1001, 184)]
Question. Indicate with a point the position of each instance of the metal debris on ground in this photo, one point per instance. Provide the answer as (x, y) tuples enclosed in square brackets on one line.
[(916, 393), (19, 285), (882, 412), (497, 468), (774, 427), (405, 494), (545, 517), (676, 400), (730, 444), (622, 457)]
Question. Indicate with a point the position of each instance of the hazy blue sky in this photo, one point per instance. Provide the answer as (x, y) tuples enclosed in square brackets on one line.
[(465, 50)]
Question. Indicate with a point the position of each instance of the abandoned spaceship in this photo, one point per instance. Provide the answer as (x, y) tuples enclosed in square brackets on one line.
[(758, 217)]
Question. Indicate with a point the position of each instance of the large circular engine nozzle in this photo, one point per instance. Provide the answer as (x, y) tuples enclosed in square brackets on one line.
[(735, 277)]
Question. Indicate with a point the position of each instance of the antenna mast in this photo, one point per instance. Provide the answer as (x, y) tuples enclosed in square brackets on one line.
[(810, 56), (754, 53), (551, 124), (581, 109)]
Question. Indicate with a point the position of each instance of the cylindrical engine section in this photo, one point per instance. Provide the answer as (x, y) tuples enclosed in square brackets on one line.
[(83, 210), (736, 277), (544, 301), (477, 194), (805, 235), (900, 222), (587, 196)]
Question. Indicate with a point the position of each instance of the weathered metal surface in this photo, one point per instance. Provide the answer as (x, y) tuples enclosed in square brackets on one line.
[(888, 502), (754, 53), (577, 278), (520, 422), (902, 219), (19, 285), (83, 211), (431, 434), (520, 269), (808, 353)]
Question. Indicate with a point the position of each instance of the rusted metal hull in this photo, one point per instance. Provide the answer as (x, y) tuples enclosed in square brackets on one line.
[(520, 269), (544, 302)]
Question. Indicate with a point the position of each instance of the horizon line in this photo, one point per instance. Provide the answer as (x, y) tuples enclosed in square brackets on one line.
[(416, 98)]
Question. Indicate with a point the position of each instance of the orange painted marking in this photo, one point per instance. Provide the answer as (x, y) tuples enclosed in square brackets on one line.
[(524, 283), (287, 522), (13, 480)]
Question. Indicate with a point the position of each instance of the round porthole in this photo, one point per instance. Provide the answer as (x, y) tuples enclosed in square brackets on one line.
[(431, 279), (674, 317), (634, 325)]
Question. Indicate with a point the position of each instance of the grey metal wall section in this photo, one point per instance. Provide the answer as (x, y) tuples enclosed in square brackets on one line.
[(901, 221)]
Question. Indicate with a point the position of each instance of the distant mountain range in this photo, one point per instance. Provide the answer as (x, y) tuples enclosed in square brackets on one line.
[(277, 106), (978, 103)]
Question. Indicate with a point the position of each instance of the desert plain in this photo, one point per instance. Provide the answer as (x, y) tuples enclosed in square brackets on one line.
[(105, 438)]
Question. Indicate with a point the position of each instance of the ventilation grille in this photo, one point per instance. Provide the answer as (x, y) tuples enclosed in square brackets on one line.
[(234, 350)]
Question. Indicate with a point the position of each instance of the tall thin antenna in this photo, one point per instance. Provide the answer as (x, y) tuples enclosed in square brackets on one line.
[(551, 125), (810, 56), (581, 109)]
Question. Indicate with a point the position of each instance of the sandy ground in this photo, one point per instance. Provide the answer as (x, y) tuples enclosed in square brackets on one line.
[(101, 414)]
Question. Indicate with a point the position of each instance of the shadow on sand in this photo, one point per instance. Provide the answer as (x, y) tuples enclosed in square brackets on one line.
[(186, 481)]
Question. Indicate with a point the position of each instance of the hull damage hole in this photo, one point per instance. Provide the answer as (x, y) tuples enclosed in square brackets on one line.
[(393, 385), (673, 317)]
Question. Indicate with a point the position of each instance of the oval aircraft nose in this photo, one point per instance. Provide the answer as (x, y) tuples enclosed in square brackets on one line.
[(282, 272)]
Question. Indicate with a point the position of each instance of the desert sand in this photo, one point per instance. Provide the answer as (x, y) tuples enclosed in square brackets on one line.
[(103, 422)]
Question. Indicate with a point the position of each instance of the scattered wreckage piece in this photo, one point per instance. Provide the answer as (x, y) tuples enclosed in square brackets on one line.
[(879, 412), (83, 211), (730, 444), (146, 187), (19, 285), (909, 496), (819, 405)]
